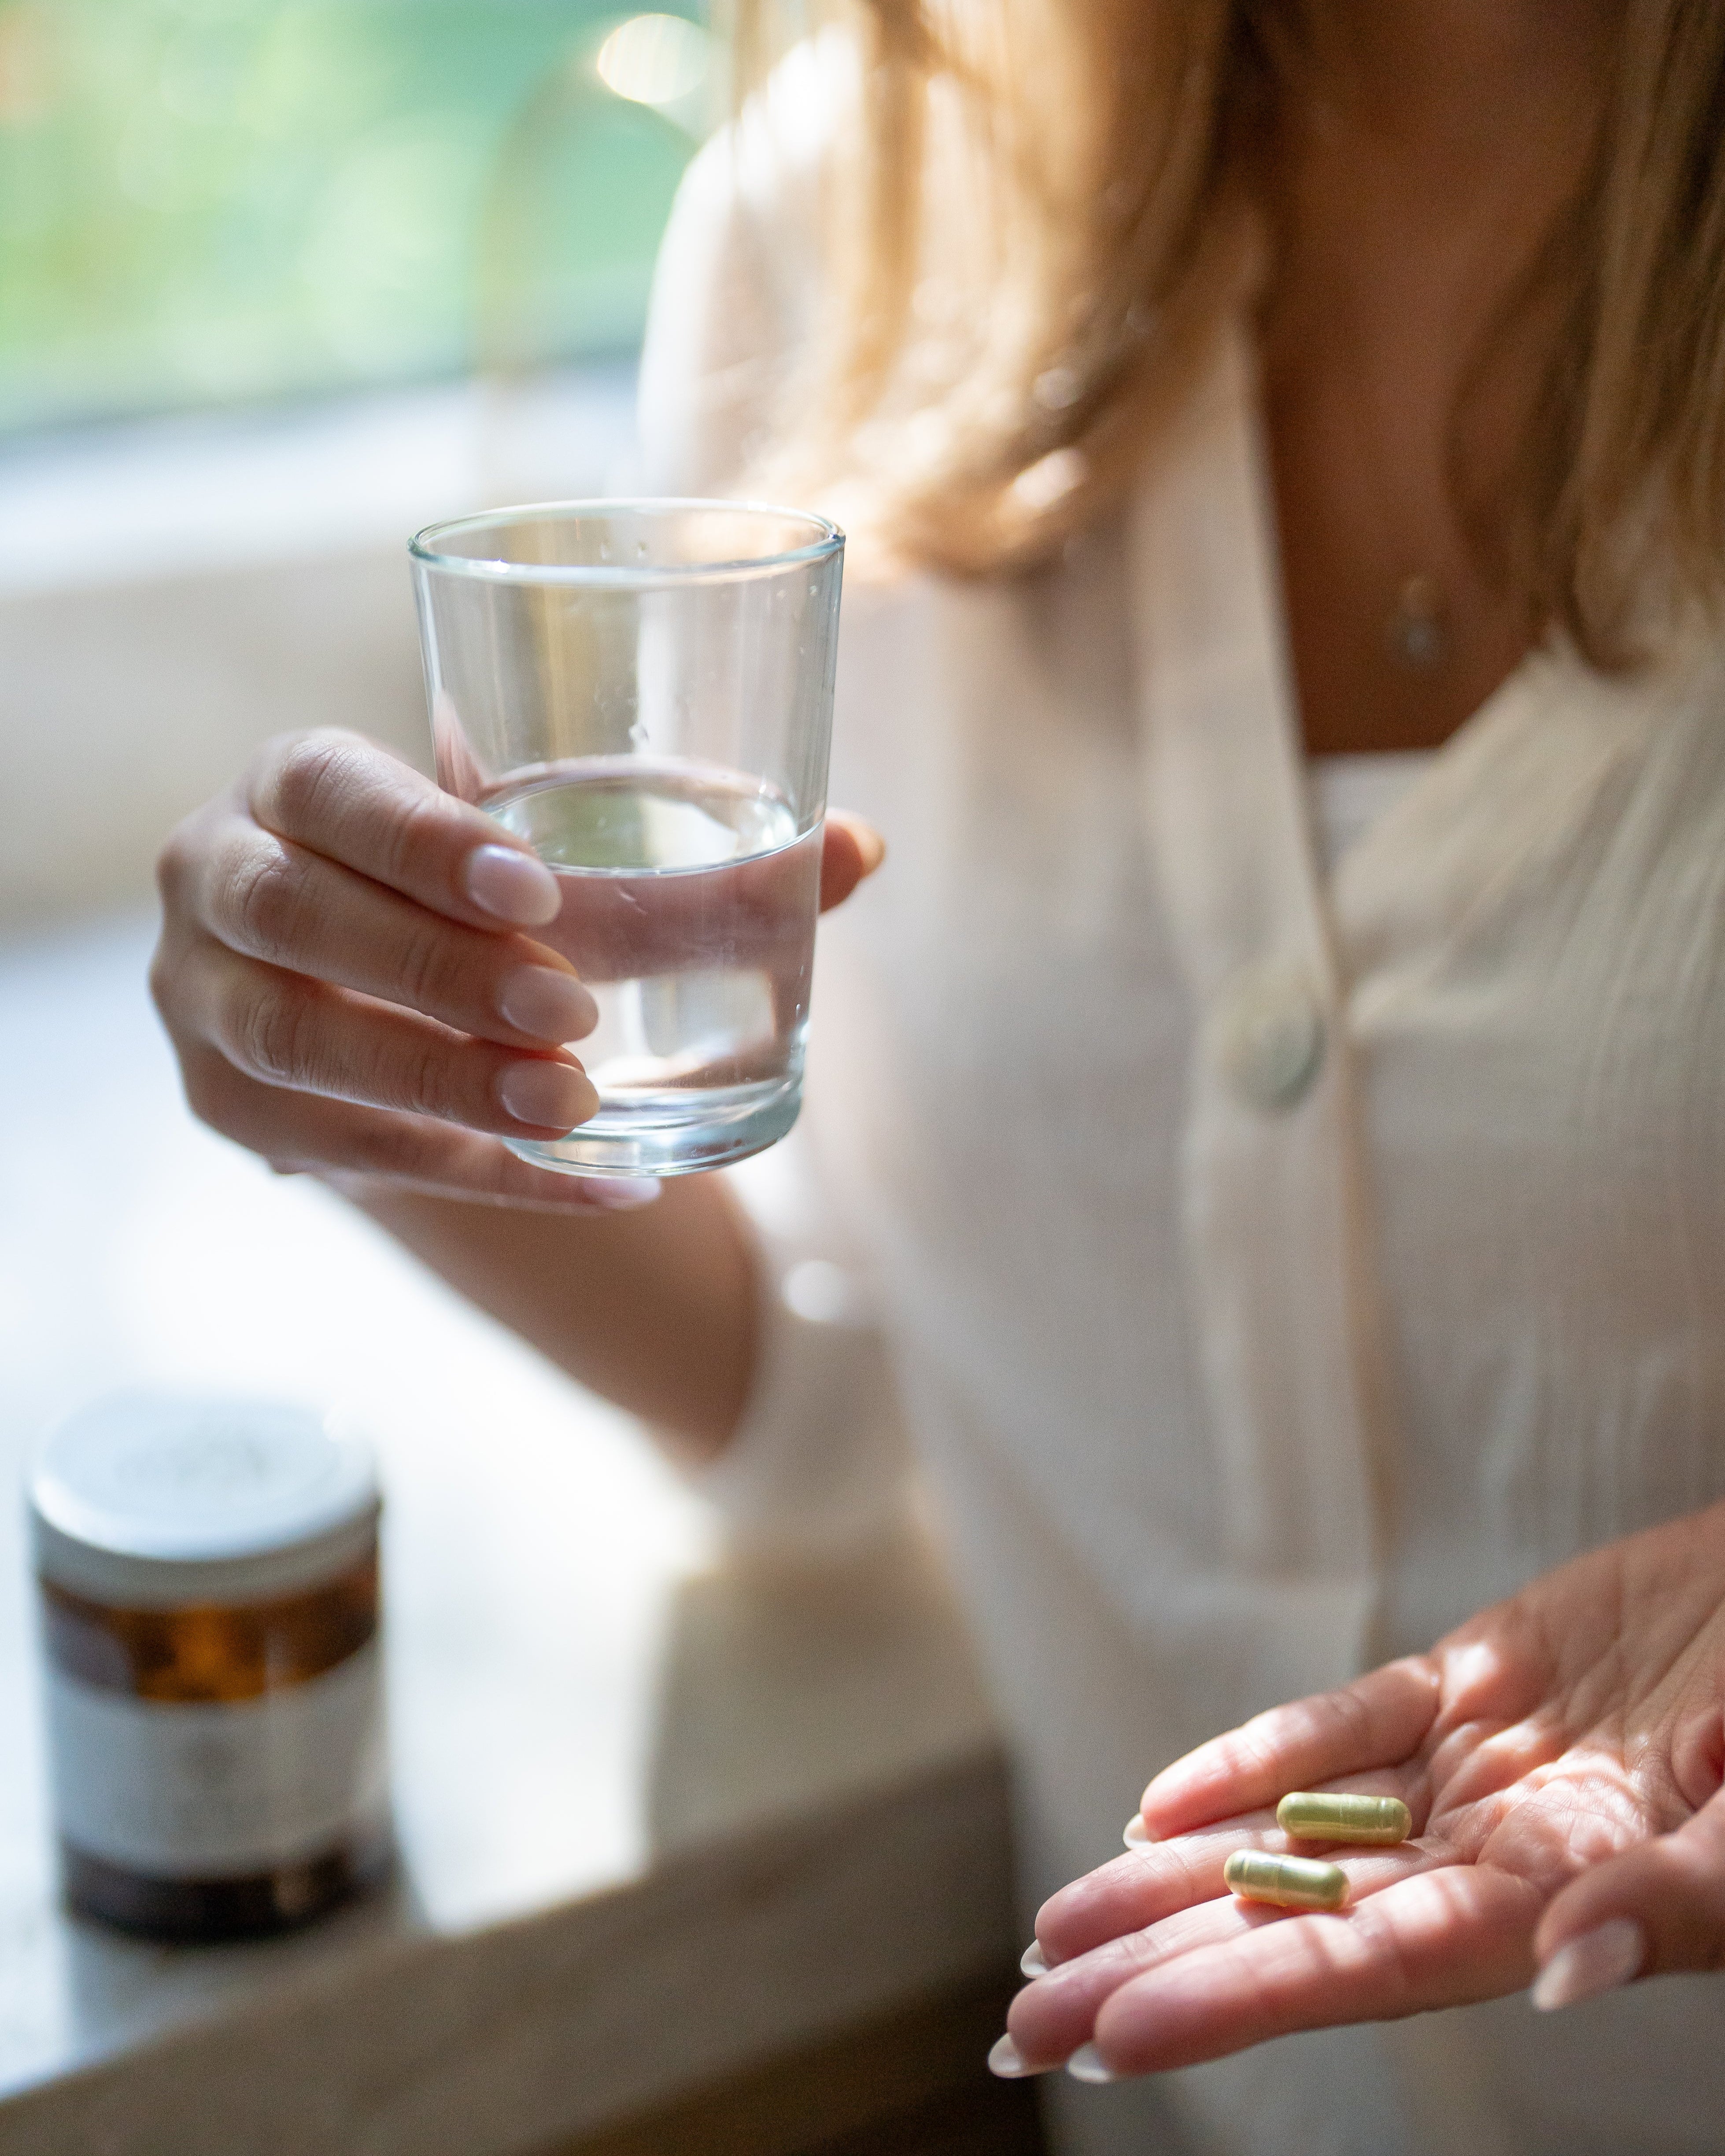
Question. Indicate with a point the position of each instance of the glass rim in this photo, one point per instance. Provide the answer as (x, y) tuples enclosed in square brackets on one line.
[(424, 545)]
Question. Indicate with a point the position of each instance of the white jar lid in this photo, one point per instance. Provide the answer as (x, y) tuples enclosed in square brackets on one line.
[(158, 1500)]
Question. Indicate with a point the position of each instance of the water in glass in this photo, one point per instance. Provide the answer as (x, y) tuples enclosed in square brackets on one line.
[(688, 909)]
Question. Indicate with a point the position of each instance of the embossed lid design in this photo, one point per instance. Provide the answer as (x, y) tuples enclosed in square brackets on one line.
[(156, 1499)]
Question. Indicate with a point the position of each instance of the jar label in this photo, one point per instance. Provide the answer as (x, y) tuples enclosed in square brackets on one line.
[(219, 1790)]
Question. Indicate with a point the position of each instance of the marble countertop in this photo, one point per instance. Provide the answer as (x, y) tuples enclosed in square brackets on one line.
[(658, 1814)]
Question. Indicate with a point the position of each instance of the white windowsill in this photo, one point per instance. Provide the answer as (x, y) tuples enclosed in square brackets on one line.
[(167, 497), (173, 592)]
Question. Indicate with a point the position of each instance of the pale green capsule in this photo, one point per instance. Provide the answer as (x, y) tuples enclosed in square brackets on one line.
[(1292, 1882), (1327, 1815)]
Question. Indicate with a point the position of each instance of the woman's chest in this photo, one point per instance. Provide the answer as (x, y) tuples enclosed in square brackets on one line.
[(1530, 950), (1537, 955), (1533, 946)]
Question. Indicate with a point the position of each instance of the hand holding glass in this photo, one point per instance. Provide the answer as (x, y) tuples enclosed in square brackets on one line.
[(643, 691)]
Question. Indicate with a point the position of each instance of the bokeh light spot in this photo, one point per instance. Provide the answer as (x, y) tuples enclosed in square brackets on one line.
[(654, 59)]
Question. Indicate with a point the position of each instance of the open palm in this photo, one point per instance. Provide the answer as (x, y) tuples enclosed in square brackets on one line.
[(1563, 1755)]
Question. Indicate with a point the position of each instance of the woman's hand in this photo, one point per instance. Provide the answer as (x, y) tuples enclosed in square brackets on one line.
[(348, 972), (1563, 1755)]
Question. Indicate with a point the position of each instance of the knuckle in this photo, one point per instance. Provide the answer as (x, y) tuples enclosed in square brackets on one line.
[(418, 831), (264, 1120), (1136, 1951), (204, 1078), (161, 978), (267, 902), (305, 776), (427, 970), (173, 868), (184, 978), (272, 1035), (428, 1083)]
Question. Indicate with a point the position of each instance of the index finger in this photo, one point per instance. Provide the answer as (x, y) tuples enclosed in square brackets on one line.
[(1157, 1878), (345, 798), (1376, 1720), (851, 850), (1444, 1936), (1058, 2012), (1128, 1893)]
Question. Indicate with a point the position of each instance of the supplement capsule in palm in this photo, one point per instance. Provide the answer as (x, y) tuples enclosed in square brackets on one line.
[(1292, 1882), (1329, 1815)]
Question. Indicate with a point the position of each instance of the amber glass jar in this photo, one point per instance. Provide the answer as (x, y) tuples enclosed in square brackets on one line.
[(208, 1578)]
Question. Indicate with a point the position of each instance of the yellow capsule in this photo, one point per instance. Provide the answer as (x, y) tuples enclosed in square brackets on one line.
[(1327, 1815), (1292, 1882)]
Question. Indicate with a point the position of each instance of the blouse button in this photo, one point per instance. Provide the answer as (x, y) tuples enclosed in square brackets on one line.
[(1267, 1035)]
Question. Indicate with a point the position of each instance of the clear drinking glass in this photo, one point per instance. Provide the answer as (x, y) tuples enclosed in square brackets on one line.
[(643, 689)]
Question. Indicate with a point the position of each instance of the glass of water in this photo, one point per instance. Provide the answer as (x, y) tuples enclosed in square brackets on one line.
[(643, 691)]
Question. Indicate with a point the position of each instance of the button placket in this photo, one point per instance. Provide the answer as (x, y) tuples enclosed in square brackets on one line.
[(1285, 1321)]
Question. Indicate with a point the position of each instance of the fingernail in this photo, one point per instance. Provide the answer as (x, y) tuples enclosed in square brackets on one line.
[(1137, 1834), (871, 845), (513, 885), (1085, 2065), (1596, 1961), (1032, 1961), (1005, 2060), (553, 1095), (539, 1000), (623, 1194)]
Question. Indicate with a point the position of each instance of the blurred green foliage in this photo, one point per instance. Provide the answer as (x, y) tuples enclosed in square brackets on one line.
[(216, 201)]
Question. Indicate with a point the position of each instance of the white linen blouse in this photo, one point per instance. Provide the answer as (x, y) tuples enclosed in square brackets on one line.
[(1274, 1265)]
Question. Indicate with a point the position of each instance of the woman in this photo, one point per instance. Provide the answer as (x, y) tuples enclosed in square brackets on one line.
[(1275, 1092)]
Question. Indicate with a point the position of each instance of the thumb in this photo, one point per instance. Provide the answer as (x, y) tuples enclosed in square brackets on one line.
[(1657, 1907)]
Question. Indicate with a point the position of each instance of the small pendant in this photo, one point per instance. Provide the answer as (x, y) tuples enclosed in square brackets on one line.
[(1416, 632)]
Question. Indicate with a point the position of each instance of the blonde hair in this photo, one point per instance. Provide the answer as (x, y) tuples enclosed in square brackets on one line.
[(1044, 204)]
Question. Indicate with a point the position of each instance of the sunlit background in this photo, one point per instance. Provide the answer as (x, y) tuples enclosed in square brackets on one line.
[(231, 201)]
